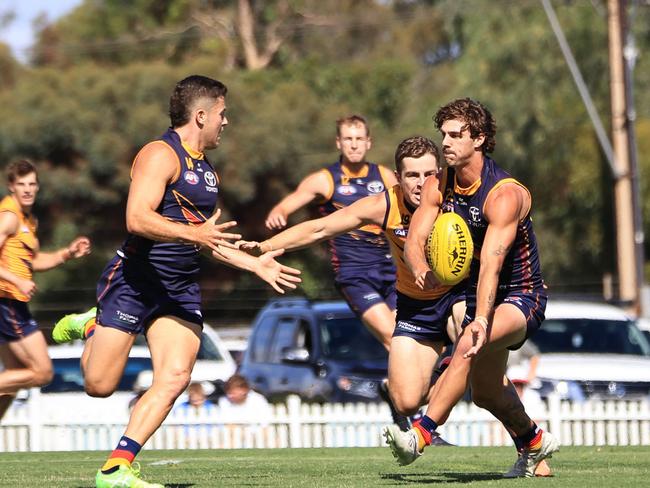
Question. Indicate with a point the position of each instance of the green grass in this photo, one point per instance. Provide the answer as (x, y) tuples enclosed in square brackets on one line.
[(314, 468)]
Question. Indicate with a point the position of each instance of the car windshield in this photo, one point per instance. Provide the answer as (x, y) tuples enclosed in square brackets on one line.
[(595, 336), (348, 338), (68, 378)]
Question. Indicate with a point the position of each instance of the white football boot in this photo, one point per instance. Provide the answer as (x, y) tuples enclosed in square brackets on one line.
[(528, 460), (403, 445)]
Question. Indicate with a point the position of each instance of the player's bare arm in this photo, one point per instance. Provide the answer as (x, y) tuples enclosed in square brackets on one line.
[(504, 209), (311, 188), (368, 210), (155, 167), (279, 276), (8, 227), (78, 248), (419, 230)]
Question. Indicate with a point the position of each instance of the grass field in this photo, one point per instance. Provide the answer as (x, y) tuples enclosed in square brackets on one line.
[(361, 467)]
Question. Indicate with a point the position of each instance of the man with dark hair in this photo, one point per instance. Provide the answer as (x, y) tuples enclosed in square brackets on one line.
[(150, 286), (506, 295), (421, 329), (23, 349), (364, 271)]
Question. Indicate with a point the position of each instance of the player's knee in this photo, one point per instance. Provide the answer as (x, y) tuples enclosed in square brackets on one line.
[(43, 376), (99, 387), (173, 382), (406, 406)]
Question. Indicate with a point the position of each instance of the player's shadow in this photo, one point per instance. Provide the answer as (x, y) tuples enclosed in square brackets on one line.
[(440, 477)]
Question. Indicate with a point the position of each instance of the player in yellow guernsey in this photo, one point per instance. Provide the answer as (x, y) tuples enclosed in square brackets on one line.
[(22, 346), (421, 330)]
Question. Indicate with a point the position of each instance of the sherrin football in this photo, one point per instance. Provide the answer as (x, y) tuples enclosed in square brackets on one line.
[(449, 249)]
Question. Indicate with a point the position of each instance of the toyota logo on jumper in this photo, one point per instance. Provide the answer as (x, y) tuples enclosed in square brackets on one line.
[(210, 179)]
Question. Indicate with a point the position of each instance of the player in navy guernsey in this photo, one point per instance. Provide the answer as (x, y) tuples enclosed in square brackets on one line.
[(364, 270), (150, 285), (506, 295)]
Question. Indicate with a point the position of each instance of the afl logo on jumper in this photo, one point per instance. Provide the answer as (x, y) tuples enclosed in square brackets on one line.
[(346, 190), (191, 178), (210, 179), (474, 213)]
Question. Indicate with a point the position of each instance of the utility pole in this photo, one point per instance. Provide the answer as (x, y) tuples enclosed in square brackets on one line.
[(629, 286)]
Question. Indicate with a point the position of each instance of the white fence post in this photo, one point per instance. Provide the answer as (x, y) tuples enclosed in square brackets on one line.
[(295, 420), (555, 416), (35, 420)]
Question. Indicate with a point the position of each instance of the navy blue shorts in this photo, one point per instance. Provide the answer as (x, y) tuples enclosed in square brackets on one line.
[(15, 320), (426, 320), (363, 288), (532, 305), (130, 296)]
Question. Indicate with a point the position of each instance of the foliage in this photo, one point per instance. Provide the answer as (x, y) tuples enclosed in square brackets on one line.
[(100, 78)]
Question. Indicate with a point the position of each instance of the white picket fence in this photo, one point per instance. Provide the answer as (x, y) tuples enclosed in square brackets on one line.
[(38, 427)]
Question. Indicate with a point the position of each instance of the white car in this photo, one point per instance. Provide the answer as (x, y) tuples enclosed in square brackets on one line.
[(66, 391), (591, 350)]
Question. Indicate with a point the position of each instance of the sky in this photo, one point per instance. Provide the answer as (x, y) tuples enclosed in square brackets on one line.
[(18, 34)]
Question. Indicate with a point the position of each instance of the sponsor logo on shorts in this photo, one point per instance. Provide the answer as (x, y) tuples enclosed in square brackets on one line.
[(401, 324), (375, 186), (371, 296), (346, 190), (127, 318), (400, 232), (191, 177), (514, 299)]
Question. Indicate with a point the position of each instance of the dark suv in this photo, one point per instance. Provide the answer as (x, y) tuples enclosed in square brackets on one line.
[(318, 350)]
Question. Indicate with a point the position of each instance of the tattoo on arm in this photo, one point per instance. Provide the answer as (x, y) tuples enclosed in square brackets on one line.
[(500, 251)]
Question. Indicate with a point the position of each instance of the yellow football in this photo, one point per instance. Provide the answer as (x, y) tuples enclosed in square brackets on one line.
[(449, 249)]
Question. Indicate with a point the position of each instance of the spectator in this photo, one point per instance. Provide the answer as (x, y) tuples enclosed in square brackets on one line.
[(197, 402), (527, 356), (243, 407), (242, 404)]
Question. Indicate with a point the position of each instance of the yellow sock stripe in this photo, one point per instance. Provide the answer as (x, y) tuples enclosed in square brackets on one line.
[(116, 461), (421, 440)]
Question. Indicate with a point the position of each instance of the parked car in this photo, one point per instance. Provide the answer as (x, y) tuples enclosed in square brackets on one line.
[(591, 350), (66, 390), (318, 350)]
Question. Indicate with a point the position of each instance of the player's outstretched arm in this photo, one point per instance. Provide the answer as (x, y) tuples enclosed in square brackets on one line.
[(154, 168), (314, 186), (279, 276), (368, 210), (503, 211), (419, 230), (78, 248)]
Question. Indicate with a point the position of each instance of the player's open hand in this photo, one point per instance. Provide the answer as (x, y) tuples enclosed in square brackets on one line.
[(479, 338), (276, 220), (210, 234), (279, 276), (79, 247)]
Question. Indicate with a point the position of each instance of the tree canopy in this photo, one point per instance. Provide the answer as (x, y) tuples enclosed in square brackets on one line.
[(97, 88)]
